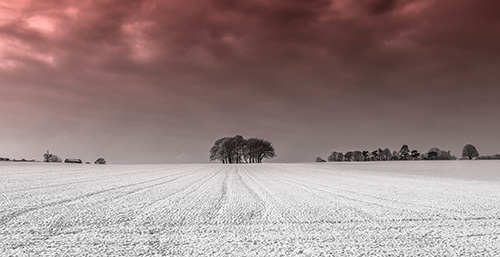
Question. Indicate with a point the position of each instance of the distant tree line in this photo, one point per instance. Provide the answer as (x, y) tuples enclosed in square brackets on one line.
[(470, 152), (239, 150), (489, 157), (4, 159), (404, 154), (49, 157)]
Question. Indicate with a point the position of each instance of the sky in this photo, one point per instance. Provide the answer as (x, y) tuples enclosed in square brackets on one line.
[(159, 81)]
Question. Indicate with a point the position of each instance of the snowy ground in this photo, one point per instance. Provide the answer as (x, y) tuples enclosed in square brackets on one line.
[(313, 209)]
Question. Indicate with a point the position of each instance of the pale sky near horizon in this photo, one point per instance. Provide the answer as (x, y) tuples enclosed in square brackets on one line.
[(159, 81)]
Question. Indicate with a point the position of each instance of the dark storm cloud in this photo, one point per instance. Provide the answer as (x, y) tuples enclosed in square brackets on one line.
[(381, 6), (159, 71)]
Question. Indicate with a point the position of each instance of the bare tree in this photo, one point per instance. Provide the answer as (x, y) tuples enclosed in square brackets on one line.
[(387, 154), (357, 156), (48, 157), (336, 157), (404, 152), (414, 155), (348, 156), (265, 151), (394, 155), (219, 151)]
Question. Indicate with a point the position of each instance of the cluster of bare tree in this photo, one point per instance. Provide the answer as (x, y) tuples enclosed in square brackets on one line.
[(404, 154), (239, 150)]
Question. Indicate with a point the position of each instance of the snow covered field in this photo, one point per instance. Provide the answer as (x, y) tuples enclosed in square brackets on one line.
[(313, 209)]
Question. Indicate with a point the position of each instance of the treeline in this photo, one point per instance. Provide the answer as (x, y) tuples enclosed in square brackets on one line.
[(3, 159), (239, 150), (404, 154), (50, 157), (489, 157)]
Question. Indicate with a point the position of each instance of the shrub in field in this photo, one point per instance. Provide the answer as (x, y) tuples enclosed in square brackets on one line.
[(100, 161), (319, 159), (489, 157)]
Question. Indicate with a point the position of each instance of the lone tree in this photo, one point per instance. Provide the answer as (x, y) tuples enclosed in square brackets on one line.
[(48, 157), (239, 150), (470, 152)]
